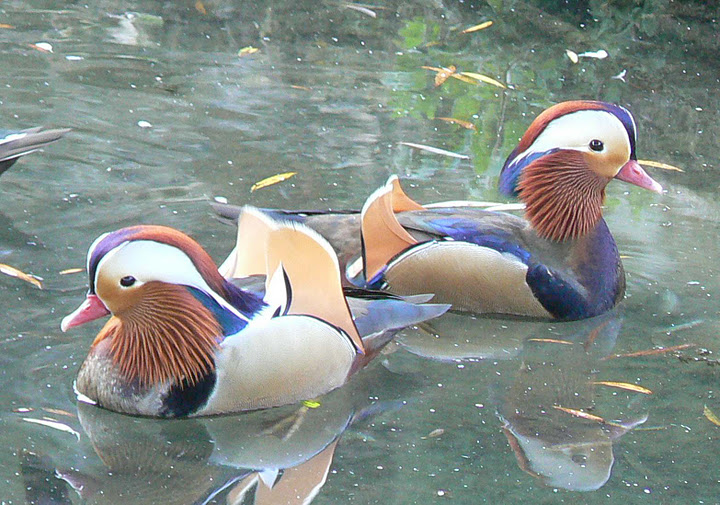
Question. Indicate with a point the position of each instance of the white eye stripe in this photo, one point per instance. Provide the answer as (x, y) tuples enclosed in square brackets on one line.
[(576, 130), (148, 261)]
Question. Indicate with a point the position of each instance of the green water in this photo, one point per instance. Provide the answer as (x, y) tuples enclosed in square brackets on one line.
[(166, 116)]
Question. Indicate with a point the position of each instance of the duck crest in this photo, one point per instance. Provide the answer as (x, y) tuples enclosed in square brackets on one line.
[(169, 336), (563, 199)]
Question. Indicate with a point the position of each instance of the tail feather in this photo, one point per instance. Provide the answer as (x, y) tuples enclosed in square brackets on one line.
[(379, 320), (15, 145), (377, 316), (27, 141)]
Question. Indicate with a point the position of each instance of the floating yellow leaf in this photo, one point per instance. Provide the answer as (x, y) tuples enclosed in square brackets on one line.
[(459, 122), (304, 88), (572, 55), (464, 78), (311, 404), (14, 272), (9, 27), (247, 51), (581, 414), (477, 28), (711, 416), (550, 341), (435, 150), (657, 164), (483, 78), (69, 271), (650, 352), (200, 7), (593, 335), (625, 385), (272, 180), (442, 75)]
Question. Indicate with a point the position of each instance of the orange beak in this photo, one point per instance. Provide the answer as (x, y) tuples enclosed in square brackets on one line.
[(633, 173), (89, 310)]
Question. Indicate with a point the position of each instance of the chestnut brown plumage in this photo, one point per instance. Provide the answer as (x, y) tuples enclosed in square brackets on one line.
[(168, 337), (563, 199)]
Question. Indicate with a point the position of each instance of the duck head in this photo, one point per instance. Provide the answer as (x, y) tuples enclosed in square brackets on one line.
[(563, 162), (170, 306)]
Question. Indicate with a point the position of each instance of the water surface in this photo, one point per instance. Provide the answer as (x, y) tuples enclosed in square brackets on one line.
[(166, 116)]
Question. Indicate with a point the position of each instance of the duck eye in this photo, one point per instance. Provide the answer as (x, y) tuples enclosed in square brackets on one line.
[(597, 145), (127, 281)]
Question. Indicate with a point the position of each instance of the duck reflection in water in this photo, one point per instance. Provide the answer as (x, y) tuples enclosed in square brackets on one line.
[(267, 457), (543, 409)]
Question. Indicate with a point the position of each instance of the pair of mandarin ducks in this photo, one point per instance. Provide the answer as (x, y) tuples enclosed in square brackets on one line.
[(187, 338)]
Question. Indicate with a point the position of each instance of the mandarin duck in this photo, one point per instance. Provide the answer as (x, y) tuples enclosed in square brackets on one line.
[(184, 340), (561, 262), (14, 144)]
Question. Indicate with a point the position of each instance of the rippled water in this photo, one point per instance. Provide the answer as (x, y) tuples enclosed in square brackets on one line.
[(167, 116)]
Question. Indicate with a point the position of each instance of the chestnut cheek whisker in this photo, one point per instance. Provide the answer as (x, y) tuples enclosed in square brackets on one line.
[(563, 196), (169, 336)]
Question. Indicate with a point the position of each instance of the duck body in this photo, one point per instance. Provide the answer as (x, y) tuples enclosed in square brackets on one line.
[(560, 261), (264, 365), (493, 262), (17, 143), (185, 341)]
